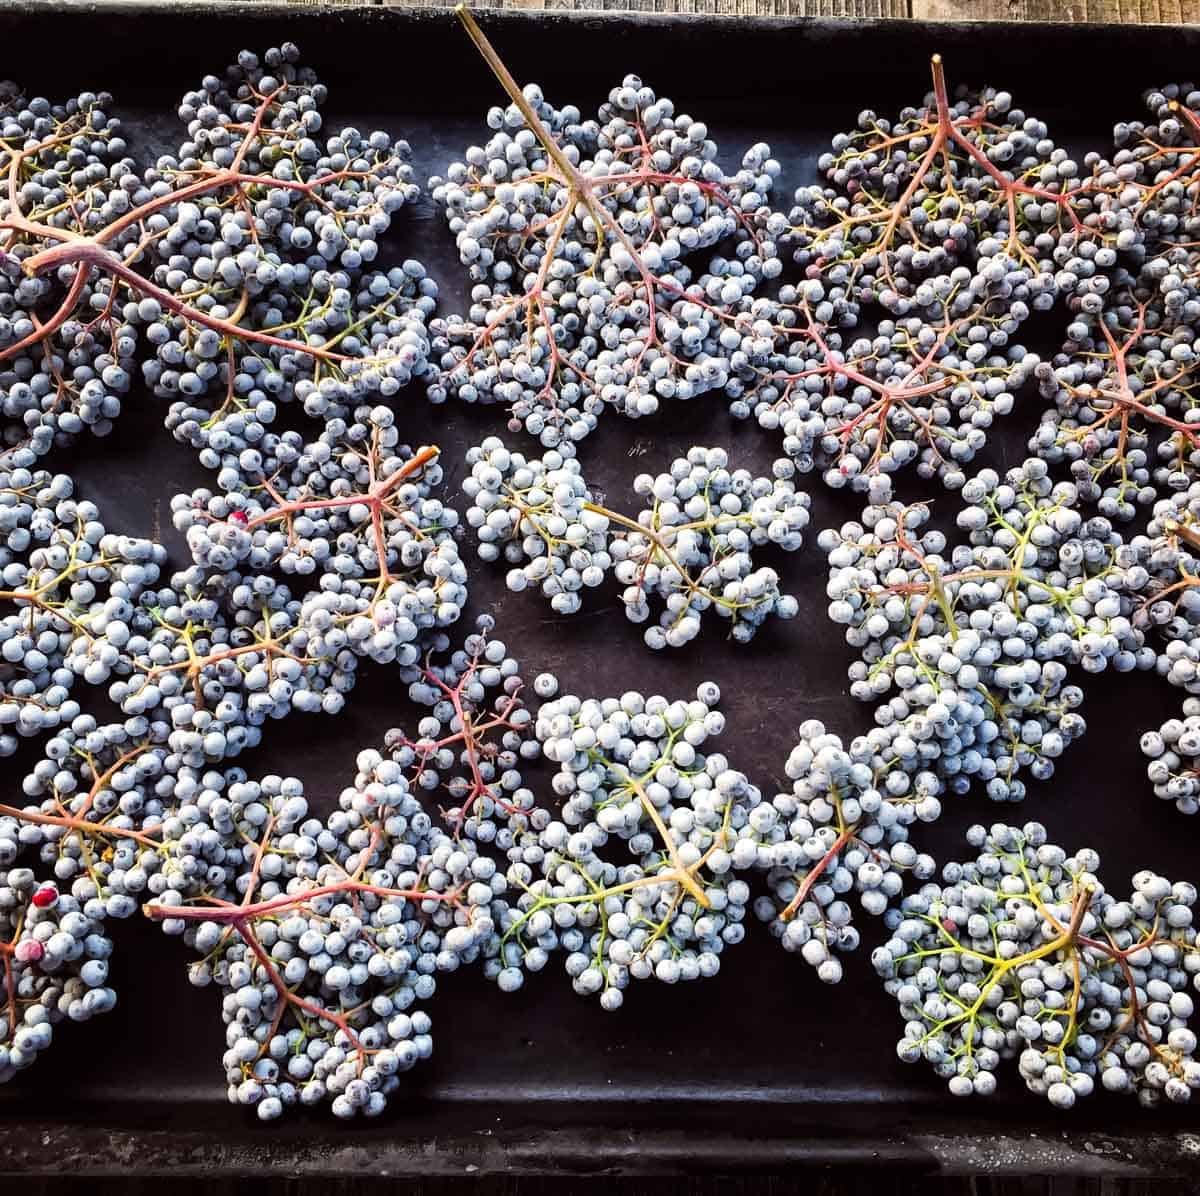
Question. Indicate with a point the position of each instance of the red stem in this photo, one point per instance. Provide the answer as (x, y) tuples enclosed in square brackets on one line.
[(815, 874)]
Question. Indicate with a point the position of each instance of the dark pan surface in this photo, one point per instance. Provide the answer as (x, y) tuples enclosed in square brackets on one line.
[(763, 1058)]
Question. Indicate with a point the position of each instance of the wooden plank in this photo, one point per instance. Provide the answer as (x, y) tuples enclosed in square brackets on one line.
[(1116, 12), (964, 10), (863, 9)]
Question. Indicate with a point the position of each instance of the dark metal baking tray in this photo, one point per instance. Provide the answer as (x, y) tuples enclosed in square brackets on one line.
[(763, 1066)]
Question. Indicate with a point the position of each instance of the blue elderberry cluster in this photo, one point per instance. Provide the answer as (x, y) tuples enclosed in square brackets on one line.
[(1021, 953), (1120, 413), (588, 243), (70, 591), (235, 274), (68, 348), (633, 878), (969, 651), (689, 550), (840, 836)]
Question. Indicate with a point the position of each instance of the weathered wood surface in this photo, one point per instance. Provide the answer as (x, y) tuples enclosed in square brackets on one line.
[(1118, 12), (733, 8)]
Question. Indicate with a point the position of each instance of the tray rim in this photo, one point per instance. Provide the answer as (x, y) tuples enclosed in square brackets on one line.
[(96, 1151), (324, 1148)]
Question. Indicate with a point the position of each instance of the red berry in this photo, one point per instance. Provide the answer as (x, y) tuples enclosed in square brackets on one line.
[(949, 924), (238, 517), (45, 897), (29, 951)]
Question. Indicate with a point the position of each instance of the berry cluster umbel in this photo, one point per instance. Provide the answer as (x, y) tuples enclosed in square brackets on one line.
[(976, 643), (236, 270), (1021, 953), (689, 550)]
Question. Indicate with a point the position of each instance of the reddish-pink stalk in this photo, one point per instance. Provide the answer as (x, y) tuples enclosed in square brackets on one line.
[(231, 914)]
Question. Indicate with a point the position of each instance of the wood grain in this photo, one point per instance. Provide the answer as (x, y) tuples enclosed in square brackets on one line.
[(1116, 12), (862, 9)]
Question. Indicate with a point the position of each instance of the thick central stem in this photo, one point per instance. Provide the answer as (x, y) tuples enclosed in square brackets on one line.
[(234, 914)]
